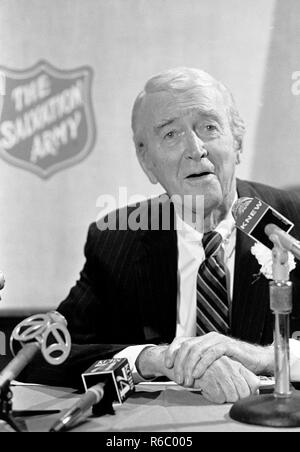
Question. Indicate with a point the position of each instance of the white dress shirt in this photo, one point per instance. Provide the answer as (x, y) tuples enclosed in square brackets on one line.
[(190, 256)]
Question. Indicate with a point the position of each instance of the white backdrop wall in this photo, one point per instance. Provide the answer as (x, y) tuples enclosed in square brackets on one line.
[(43, 222)]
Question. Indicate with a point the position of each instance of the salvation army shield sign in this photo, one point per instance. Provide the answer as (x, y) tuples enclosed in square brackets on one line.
[(47, 122)]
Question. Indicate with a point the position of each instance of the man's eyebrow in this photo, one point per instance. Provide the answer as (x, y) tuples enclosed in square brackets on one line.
[(164, 123), (211, 114)]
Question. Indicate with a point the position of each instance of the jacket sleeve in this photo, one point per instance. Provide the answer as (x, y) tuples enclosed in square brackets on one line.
[(68, 374), (86, 315)]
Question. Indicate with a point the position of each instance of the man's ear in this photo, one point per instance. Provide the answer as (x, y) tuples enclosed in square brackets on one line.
[(238, 147), (145, 161)]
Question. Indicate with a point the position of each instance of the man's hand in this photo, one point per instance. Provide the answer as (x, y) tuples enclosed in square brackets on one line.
[(191, 357), (151, 362), (225, 380)]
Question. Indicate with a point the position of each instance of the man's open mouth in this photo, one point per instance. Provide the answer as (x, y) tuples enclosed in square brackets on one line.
[(197, 175)]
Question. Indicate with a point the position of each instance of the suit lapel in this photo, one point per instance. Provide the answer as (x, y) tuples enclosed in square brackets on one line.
[(250, 302), (250, 295), (156, 270)]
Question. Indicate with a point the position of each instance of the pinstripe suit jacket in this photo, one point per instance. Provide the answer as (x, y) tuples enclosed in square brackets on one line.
[(127, 291)]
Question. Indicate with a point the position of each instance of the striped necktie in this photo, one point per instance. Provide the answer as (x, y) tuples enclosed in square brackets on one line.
[(212, 299)]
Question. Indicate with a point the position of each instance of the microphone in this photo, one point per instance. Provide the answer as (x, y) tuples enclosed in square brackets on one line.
[(105, 382), (2, 281), (260, 221), (288, 242), (77, 412), (41, 332)]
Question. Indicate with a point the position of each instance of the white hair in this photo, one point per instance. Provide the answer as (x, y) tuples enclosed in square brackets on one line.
[(179, 80)]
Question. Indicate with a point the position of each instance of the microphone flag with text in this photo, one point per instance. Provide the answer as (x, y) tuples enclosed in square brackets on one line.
[(252, 216), (41, 332), (105, 382), (116, 371)]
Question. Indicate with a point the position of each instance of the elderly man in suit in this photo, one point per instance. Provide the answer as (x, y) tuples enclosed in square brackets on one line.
[(181, 302)]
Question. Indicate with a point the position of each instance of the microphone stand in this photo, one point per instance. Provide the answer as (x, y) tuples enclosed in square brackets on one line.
[(282, 408), (6, 408)]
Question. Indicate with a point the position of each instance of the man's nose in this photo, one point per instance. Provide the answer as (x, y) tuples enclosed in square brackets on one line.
[(194, 147)]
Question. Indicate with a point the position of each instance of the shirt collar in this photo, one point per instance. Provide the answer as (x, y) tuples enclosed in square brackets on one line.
[(225, 227)]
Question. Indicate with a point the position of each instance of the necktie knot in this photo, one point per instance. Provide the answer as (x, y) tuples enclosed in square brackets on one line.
[(211, 243)]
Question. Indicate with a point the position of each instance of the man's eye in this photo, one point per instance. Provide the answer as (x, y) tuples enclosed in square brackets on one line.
[(170, 134), (211, 127)]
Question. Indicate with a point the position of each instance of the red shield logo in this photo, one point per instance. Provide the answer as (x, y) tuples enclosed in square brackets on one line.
[(47, 122)]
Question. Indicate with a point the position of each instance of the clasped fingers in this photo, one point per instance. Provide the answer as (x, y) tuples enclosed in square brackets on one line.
[(186, 355)]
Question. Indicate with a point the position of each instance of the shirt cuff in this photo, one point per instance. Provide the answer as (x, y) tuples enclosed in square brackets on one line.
[(294, 359), (132, 353)]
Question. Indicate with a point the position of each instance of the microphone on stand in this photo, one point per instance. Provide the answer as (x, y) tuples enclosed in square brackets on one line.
[(42, 332), (253, 215), (261, 222), (287, 242), (105, 382)]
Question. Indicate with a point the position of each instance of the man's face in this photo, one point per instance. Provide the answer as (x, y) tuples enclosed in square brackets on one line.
[(178, 132)]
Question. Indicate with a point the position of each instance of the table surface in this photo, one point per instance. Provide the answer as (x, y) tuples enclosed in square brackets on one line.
[(152, 408)]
